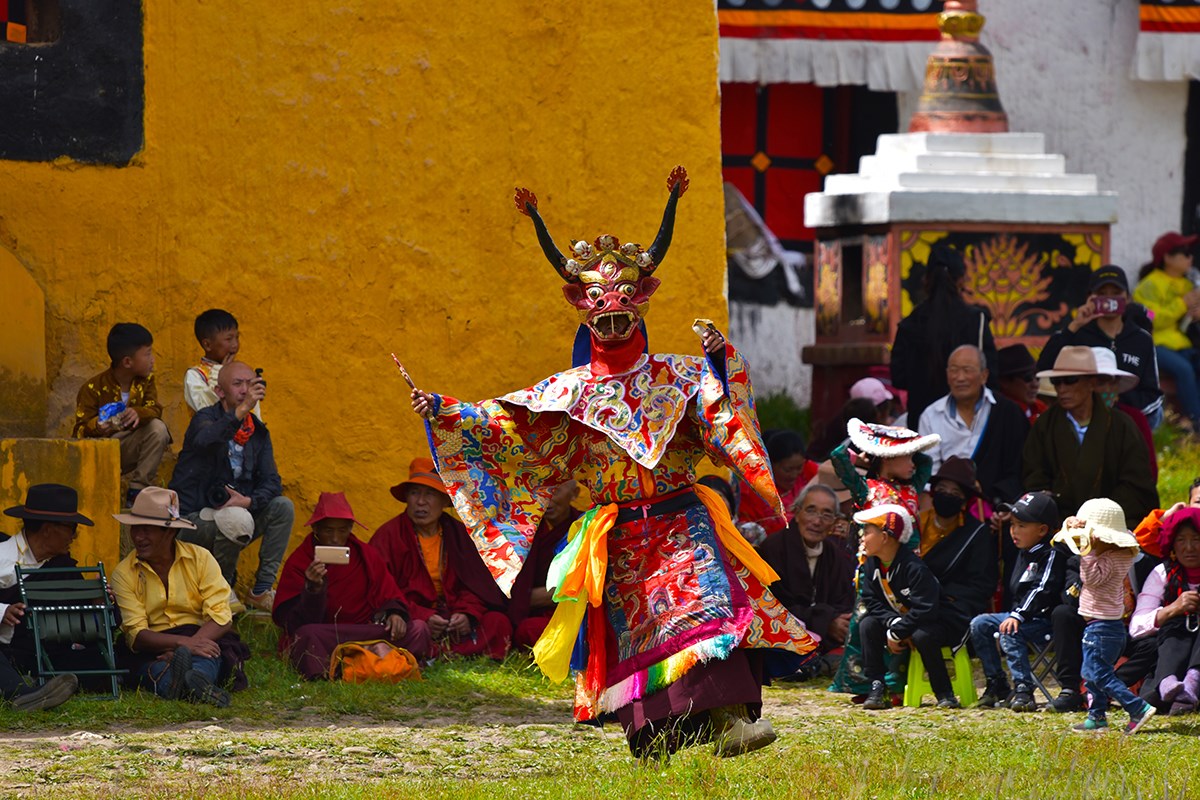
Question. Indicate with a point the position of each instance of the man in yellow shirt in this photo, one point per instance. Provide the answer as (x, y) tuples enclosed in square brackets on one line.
[(174, 604)]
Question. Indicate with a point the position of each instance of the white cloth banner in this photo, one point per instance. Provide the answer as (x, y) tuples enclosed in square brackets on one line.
[(1163, 57), (881, 66)]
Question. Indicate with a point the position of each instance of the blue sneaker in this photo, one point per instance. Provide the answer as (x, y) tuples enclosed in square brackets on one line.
[(1090, 725)]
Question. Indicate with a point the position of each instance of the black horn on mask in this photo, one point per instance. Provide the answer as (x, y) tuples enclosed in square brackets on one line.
[(677, 183), (526, 202)]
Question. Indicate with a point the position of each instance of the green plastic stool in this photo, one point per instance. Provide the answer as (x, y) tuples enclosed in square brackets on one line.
[(961, 679)]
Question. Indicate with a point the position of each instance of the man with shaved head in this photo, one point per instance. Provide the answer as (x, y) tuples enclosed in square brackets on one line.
[(976, 424), (228, 484)]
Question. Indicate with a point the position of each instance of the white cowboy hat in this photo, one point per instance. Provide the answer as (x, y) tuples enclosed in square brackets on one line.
[(1072, 361), (887, 441), (1104, 522), (1106, 364)]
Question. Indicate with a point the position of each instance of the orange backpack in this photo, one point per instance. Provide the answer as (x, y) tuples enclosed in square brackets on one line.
[(357, 662)]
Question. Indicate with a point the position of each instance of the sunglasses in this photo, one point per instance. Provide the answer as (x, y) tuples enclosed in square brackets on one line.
[(1068, 381)]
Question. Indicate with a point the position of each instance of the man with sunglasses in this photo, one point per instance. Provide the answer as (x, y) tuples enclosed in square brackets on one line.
[(1080, 449), (1018, 379), (1108, 319)]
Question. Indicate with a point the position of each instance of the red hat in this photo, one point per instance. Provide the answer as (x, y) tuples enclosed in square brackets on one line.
[(423, 473), (1170, 529), (333, 505), (1172, 240)]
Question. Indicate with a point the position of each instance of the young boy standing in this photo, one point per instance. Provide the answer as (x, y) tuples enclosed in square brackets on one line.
[(1036, 582), (122, 403), (217, 332), (901, 596), (1106, 548)]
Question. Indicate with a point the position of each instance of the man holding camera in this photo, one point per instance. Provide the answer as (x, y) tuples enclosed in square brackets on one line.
[(228, 484), (1108, 319)]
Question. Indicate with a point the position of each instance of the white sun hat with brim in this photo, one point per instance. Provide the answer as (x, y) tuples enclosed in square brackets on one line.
[(1072, 361), (1106, 364), (1104, 521), (887, 441)]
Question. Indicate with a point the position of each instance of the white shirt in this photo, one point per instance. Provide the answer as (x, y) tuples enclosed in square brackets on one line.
[(958, 438), (13, 552)]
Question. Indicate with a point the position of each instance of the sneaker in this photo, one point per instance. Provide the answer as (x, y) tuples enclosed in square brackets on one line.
[(1022, 699), (994, 693), (1068, 701), (130, 495), (202, 690), (1090, 725), (177, 670), (949, 701), (877, 698), (53, 692), (261, 602), (1136, 721)]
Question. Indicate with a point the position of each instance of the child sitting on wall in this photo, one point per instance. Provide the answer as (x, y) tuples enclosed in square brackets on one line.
[(217, 332), (122, 403)]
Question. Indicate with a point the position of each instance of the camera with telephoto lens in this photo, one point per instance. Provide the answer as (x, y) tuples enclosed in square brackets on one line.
[(216, 497)]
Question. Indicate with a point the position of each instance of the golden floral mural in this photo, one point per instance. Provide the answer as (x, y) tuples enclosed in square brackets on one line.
[(1008, 280)]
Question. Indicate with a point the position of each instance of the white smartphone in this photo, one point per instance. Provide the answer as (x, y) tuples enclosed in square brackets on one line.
[(331, 555)]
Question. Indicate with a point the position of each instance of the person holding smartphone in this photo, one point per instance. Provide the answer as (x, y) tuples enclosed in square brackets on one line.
[(1108, 319), (1165, 287)]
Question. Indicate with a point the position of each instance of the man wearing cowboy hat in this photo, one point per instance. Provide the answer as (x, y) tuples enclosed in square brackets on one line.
[(174, 605), (50, 516), (1079, 449), (445, 582)]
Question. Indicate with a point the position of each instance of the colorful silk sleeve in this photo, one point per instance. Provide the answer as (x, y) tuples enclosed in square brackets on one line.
[(500, 463), (729, 426)]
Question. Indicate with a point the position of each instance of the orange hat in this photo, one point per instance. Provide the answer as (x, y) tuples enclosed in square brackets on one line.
[(333, 505), (421, 472)]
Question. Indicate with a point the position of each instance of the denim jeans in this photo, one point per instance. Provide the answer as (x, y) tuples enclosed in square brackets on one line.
[(1014, 646), (155, 675), (1182, 366), (273, 524), (1103, 643)]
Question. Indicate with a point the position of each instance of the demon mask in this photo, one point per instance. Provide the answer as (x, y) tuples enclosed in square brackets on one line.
[(609, 283)]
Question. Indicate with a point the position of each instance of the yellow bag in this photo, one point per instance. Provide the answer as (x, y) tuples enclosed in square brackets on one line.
[(357, 662)]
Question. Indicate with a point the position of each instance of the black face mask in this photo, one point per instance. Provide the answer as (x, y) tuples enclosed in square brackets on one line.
[(947, 505)]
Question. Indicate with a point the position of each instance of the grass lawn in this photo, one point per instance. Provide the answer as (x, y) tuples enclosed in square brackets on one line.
[(472, 729)]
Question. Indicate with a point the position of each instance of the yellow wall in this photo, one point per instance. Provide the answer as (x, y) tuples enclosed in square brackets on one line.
[(22, 351), (340, 177), (92, 467)]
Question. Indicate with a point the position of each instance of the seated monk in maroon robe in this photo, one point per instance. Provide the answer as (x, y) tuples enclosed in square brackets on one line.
[(319, 605), (532, 602), (816, 577), (445, 583)]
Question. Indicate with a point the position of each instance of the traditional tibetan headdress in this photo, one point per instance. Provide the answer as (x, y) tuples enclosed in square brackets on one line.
[(887, 441), (587, 256)]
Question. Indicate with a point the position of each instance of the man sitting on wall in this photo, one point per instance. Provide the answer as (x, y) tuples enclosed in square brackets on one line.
[(444, 580), (228, 484), (322, 603)]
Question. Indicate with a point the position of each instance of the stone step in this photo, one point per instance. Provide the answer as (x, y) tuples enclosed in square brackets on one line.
[(961, 182), (973, 163), (978, 143)]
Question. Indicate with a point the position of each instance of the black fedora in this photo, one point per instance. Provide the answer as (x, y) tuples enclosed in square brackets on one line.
[(50, 502), (960, 470)]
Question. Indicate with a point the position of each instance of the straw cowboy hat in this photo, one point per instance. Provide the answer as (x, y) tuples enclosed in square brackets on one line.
[(887, 441), (155, 506), (421, 472), (1106, 364), (1104, 521), (1073, 361), (893, 519), (50, 502)]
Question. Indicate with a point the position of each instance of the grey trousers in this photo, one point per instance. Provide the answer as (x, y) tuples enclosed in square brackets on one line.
[(272, 524)]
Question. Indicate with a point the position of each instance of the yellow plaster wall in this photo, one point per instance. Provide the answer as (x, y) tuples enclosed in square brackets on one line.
[(93, 467), (340, 176), (22, 351)]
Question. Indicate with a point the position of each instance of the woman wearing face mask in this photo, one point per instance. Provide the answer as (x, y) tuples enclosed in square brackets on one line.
[(1112, 383), (959, 549)]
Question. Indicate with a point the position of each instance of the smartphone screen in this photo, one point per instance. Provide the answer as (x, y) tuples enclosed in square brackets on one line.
[(1109, 305), (331, 555)]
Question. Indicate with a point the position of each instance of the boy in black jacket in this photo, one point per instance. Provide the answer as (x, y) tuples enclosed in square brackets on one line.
[(1035, 585), (901, 596)]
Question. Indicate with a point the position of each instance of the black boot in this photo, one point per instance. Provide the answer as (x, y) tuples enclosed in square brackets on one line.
[(1022, 699), (878, 698), (994, 693)]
